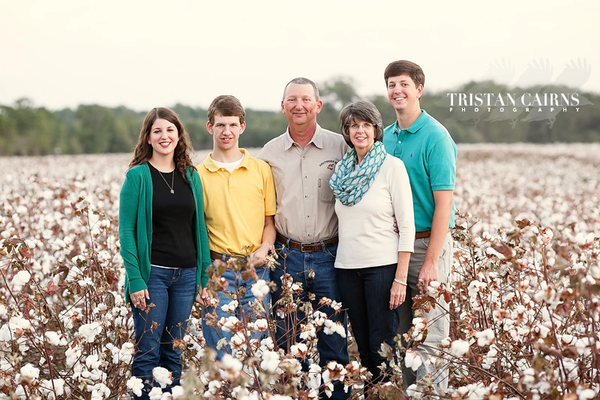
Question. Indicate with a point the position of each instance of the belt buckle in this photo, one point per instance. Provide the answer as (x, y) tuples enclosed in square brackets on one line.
[(307, 247)]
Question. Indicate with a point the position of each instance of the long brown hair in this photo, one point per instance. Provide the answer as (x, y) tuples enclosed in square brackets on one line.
[(143, 150)]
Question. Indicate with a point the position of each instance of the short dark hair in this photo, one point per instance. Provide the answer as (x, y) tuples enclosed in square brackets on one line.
[(364, 111), (226, 106), (397, 68), (303, 81)]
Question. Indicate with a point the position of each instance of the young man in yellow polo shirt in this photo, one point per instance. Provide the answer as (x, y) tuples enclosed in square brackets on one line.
[(239, 207)]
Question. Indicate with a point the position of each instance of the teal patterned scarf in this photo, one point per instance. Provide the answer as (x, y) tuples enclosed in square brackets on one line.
[(350, 182)]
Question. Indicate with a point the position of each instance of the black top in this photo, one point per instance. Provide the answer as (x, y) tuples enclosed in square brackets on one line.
[(173, 243)]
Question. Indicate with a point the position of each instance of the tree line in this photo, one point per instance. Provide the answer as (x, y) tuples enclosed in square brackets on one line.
[(469, 117)]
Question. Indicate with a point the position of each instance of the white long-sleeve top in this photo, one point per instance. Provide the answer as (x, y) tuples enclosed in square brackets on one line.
[(366, 231)]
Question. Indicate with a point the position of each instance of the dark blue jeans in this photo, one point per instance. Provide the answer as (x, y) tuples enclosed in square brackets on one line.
[(366, 295), (160, 326), (243, 312), (324, 283)]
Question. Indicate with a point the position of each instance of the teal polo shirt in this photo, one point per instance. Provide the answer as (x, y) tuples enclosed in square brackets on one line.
[(429, 155)]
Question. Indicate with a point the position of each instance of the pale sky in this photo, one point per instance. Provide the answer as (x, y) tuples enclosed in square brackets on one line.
[(143, 54)]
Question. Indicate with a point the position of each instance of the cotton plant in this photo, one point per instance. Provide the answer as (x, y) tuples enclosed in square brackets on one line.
[(54, 319), (525, 307), (523, 298), (262, 367)]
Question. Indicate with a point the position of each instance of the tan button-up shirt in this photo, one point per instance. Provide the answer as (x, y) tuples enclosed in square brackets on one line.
[(305, 202)]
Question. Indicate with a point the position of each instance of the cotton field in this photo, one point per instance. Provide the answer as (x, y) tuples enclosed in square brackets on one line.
[(525, 301)]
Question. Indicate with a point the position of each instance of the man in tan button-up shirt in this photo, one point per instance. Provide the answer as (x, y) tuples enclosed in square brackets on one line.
[(303, 159)]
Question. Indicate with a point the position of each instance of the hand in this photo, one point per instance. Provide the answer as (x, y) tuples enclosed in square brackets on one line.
[(397, 295), (427, 274), (395, 226), (259, 257), (203, 297), (138, 299)]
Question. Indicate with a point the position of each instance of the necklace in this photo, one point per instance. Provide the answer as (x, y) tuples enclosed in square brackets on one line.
[(172, 185)]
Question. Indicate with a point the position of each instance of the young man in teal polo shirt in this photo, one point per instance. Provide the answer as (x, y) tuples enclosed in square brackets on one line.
[(429, 155)]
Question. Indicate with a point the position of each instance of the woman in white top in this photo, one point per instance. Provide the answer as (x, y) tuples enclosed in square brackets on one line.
[(372, 191)]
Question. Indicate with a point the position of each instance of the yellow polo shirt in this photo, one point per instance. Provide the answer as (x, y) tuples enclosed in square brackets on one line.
[(235, 204)]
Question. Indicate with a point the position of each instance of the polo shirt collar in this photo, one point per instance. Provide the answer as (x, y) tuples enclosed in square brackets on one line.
[(418, 124), (210, 164), (317, 138)]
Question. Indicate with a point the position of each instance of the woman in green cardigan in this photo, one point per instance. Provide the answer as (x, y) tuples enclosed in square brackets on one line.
[(164, 243)]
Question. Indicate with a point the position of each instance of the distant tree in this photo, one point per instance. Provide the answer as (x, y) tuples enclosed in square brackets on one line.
[(339, 92), (387, 111), (262, 126), (29, 130), (128, 123), (7, 132), (189, 113), (200, 137), (95, 127)]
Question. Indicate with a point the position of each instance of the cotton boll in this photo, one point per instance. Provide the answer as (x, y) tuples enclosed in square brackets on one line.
[(231, 363), (413, 360), (136, 385), (420, 324), (485, 338), (595, 271), (155, 394), (93, 362), (18, 322), (162, 376), (261, 325), (319, 318), (177, 392), (230, 307), (459, 347), (228, 324), (267, 343), (314, 377), (298, 350), (413, 392), (270, 361), (57, 384), (20, 279), (260, 289), (586, 394), (238, 340), (308, 332), (55, 339), (89, 331), (542, 330), (29, 372), (333, 327)]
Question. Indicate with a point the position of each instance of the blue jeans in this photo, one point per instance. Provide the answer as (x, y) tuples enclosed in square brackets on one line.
[(243, 312), (158, 328), (366, 295), (324, 283)]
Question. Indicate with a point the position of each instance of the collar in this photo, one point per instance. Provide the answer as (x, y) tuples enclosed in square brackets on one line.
[(210, 164), (414, 128), (317, 138)]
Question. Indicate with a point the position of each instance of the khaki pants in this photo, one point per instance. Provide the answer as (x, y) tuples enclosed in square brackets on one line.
[(438, 330)]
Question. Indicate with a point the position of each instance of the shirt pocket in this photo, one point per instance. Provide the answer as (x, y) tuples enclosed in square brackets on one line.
[(325, 192)]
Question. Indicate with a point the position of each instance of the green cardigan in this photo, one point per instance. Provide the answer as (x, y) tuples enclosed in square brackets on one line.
[(135, 228)]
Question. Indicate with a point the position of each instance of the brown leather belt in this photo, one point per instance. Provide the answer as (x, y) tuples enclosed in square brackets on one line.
[(224, 257), (422, 235), (307, 247)]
